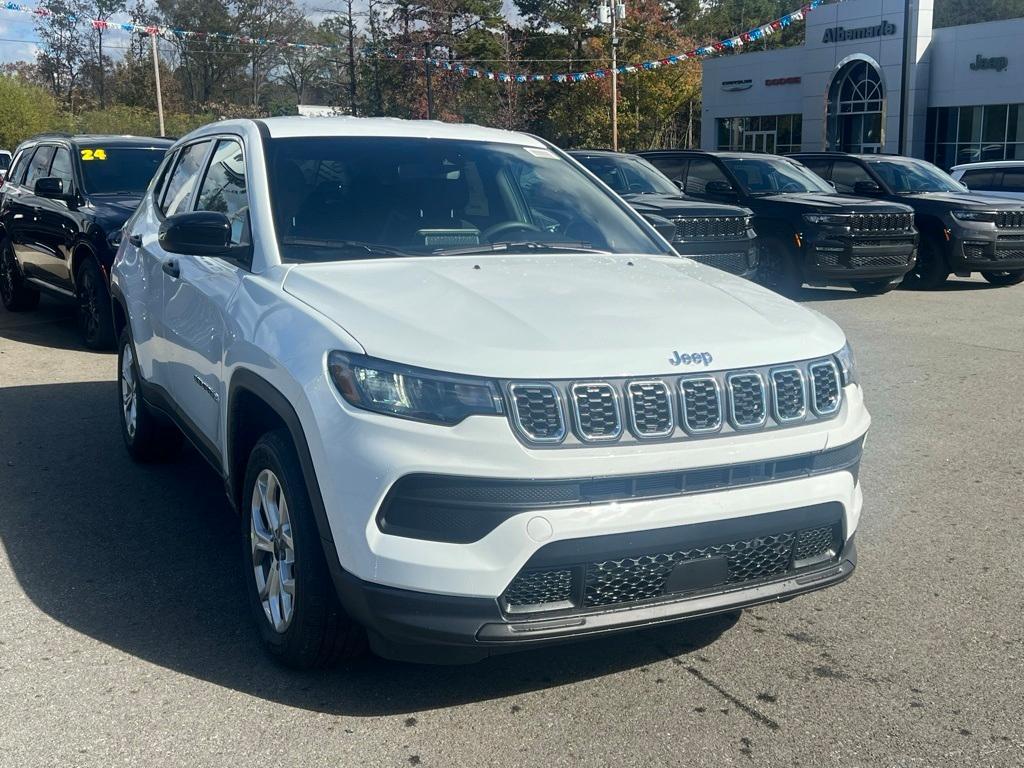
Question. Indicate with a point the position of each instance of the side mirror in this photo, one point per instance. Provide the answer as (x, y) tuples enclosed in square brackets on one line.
[(719, 188), (866, 188), (50, 187), (197, 233)]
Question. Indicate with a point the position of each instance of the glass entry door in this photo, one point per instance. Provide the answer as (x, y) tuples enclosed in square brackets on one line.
[(759, 141)]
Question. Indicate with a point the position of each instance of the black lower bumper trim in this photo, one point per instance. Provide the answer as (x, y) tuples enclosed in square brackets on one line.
[(443, 629)]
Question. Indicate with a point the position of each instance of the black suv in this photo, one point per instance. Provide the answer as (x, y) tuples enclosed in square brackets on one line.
[(62, 206), (809, 233), (711, 233), (961, 231)]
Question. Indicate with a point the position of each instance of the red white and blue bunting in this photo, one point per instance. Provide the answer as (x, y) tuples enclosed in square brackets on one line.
[(459, 68)]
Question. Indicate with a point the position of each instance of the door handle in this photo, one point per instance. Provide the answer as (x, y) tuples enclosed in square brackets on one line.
[(136, 240), (171, 268)]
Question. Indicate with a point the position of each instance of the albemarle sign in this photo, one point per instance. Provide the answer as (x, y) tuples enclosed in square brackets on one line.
[(844, 35)]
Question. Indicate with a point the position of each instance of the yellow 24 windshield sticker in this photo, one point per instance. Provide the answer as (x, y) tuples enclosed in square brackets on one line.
[(94, 154)]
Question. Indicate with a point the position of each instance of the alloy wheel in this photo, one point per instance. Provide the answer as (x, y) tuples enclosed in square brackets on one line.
[(6, 276), (88, 304), (273, 550), (129, 392)]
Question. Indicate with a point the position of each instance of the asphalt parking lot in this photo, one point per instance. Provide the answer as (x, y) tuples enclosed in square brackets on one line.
[(124, 636)]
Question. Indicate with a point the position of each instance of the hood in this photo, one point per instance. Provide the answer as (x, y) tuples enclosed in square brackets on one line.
[(560, 316), (974, 200), (112, 211), (827, 203), (677, 205)]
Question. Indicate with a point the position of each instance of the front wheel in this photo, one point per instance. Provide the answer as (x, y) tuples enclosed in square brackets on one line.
[(15, 294), (291, 593), (873, 287), (1006, 277), (931, 270)]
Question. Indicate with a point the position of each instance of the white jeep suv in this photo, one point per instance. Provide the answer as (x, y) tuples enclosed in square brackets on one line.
[(466, 400)]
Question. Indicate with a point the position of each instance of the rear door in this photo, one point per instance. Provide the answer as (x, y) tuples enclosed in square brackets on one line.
[(198, 291), (25, 228)]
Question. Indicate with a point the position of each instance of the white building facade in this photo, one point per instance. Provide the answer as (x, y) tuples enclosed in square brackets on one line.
[(844, 88)]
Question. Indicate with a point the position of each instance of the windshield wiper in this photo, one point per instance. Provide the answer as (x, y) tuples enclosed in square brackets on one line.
[(371, 249), (528, 245)]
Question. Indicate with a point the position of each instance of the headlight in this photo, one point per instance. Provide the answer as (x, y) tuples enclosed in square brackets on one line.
[(847, 365), (974, 215), (839, 219), (411, 393)]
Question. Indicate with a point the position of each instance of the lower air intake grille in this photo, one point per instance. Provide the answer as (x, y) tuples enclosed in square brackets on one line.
[(538, 411), (646, 576), (736, 263), (1009, 254)]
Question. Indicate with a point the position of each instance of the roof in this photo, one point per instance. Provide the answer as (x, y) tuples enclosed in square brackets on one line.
[(297, 127), (989, 164), (103, 138), (597, 153), (709, 152)]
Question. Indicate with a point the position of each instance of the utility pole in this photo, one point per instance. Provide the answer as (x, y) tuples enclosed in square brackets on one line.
[(156, 77), (426, 71), (613, 14)]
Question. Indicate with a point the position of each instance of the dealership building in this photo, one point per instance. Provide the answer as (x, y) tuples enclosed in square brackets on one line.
[(873, 76)]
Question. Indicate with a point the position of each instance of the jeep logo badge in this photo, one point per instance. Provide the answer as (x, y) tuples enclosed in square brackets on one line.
[(690, 358)]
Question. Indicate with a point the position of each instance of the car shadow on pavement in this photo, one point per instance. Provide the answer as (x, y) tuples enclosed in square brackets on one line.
[(53, 324), (146, 560)]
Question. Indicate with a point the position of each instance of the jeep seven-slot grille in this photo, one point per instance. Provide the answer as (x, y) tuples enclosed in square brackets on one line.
[(674, 407), (1010, 219), (881, 222), (634, 578), (709, 227)]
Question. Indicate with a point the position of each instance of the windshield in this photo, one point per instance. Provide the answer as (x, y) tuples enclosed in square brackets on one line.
[(113, 169), (905, 176), (628, 175), (771, 176), (362, 197)]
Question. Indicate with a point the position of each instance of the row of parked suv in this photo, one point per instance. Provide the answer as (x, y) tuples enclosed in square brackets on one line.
[(463, 397)]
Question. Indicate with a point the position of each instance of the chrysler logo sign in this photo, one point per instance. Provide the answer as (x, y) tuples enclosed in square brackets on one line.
[(844, 35), (737, 85)]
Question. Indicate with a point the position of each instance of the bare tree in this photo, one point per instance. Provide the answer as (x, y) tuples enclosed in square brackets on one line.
[(64, 51)]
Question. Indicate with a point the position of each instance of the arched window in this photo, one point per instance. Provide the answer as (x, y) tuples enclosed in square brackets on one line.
[(856, 104)]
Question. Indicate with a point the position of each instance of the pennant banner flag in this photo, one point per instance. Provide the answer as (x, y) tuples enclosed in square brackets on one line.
[(731, 43)]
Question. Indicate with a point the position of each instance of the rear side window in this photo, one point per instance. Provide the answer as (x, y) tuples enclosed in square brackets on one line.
[(1013, 180), (183, 179), (985, 179), (845, 176), (673, 167), (40, 165), (17, 172), (224, 189), (820, 167), (702, 172)]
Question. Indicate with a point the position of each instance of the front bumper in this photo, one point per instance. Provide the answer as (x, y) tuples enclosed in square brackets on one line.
[(430, 628), (858, 257), (981, 248)]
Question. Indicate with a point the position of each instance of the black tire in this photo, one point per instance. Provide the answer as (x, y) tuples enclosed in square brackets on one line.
[(779, 267), (153, 438), (16, 294), (318, 633), (1007, 277), (95, 316), (931, 270), (874, 287)]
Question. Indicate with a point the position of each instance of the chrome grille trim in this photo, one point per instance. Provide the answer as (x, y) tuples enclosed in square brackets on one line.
[(834, 399), (632, 395), (515, 389), (684, 411), (589, 388), (733, 380), (776, 410), (709, 228)]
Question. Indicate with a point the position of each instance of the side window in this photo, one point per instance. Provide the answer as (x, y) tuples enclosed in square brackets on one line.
[(1013, 180), (183, 178), (17, 172), (223, 189), (820, 167), (980, 179), (845, 176), (702, 172), (674, 168), (61, 168), (39, 166)]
